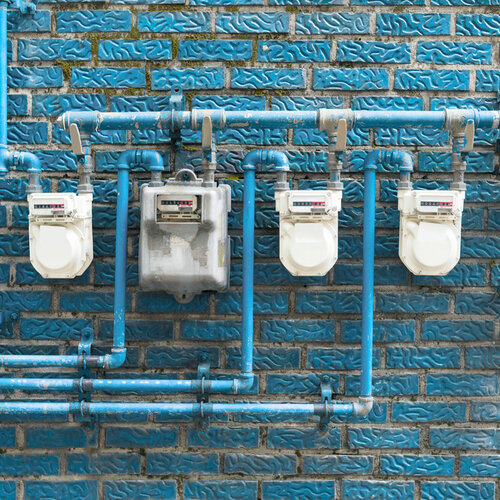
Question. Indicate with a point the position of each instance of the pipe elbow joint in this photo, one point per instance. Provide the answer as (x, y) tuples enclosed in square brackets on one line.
[(244, 383), (362, 407), (371, 160), (115, 359), (403, 159), (150, 159), (30, 161), (258, 157), (5, 162)]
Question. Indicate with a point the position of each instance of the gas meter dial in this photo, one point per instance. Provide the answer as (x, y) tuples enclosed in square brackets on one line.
[(60, 233), (308, 230), (430, 229)]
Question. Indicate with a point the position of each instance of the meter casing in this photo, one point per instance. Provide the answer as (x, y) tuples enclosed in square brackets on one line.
[(184, 245), (429, 230), (308, 230), (60, 233)]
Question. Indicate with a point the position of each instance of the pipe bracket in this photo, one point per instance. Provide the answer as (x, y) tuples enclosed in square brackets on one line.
[(326, 400), (203, 397)]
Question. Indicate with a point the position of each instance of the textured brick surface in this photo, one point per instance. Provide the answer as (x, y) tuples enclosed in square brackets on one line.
[(432, 433)]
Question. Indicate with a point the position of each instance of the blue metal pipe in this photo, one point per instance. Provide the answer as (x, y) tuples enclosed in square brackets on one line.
[(370, 169), (90, 121), (269, 409)]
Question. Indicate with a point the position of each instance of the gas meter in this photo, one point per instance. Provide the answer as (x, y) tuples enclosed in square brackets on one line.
[(308, 230), (60, 233), (429, 230), (184, 244)]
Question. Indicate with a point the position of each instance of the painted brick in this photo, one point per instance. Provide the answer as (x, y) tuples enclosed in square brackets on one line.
[(352, 274), (412, 302), (264, 303), (27, 301), (123, 490), (477, 303), (337, 464), (290, 490), (417, 465), (180, 357), (319, 23), (297, 331), (454, 53), (308, 51), (157, 302), (215, 50), (350, 79), (460, 275), (266, 358), (303, 438), (428, 412), (328, 302), (452, 384), (81, 21), (53, 49), (53, 329), (139, 50), (373, 52), (173, 22), (223, 437), (140, 437), (383, 331), (239, 463), (390, 385), (215, 490), (255, 78), (431, 80), (450, 489), (480, 465), (27, 465), (34, 77), (370, 437), (364, 490), (105, 463), (250, 22), (77, 490), (88, 301), (477, 25), (413, 24), (117, 78), (422, 357), (441, 162), (480, 246), (17, 105), (210, 330), (482, 358), (8, 490), (38, 21), (338, 359), (298, 384), (189, 79), (182, 463), (60, 437)]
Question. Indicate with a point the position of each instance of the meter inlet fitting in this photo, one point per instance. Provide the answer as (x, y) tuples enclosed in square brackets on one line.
[(308, 230), (429, 230), (60, 233), (184, 245)]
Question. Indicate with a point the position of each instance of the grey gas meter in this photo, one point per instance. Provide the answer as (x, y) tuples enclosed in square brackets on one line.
[(184, 243)]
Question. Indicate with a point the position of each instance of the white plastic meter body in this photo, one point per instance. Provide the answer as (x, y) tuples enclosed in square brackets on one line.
[(429, 230), (184, 245), (308, 230), (60, 233)]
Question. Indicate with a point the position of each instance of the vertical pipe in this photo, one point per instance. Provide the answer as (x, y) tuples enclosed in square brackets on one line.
[(3, 75), (248, 262), (368, 271), (121, 257)]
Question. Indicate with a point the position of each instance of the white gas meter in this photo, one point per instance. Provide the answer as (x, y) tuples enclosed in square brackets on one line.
[(429, 230), (60, 233), (184, 244), (308, 230)]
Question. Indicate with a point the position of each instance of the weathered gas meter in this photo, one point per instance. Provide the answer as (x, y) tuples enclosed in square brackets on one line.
[(184, 244), (429, 230), (308, 230), (60, 233)]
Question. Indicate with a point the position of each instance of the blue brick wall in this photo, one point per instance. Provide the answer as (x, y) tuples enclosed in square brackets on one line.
[(432, 433)]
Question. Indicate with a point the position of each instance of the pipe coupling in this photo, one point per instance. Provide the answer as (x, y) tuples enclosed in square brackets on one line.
[(218, 117), (328, 119)]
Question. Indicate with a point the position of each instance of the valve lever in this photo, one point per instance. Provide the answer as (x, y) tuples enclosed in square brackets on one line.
[(341, 135), (206, 133), (76, 140), (469, 136)]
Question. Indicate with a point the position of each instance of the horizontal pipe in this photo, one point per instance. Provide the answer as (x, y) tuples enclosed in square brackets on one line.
[(90, 121), (268, 409), (151, 386)]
